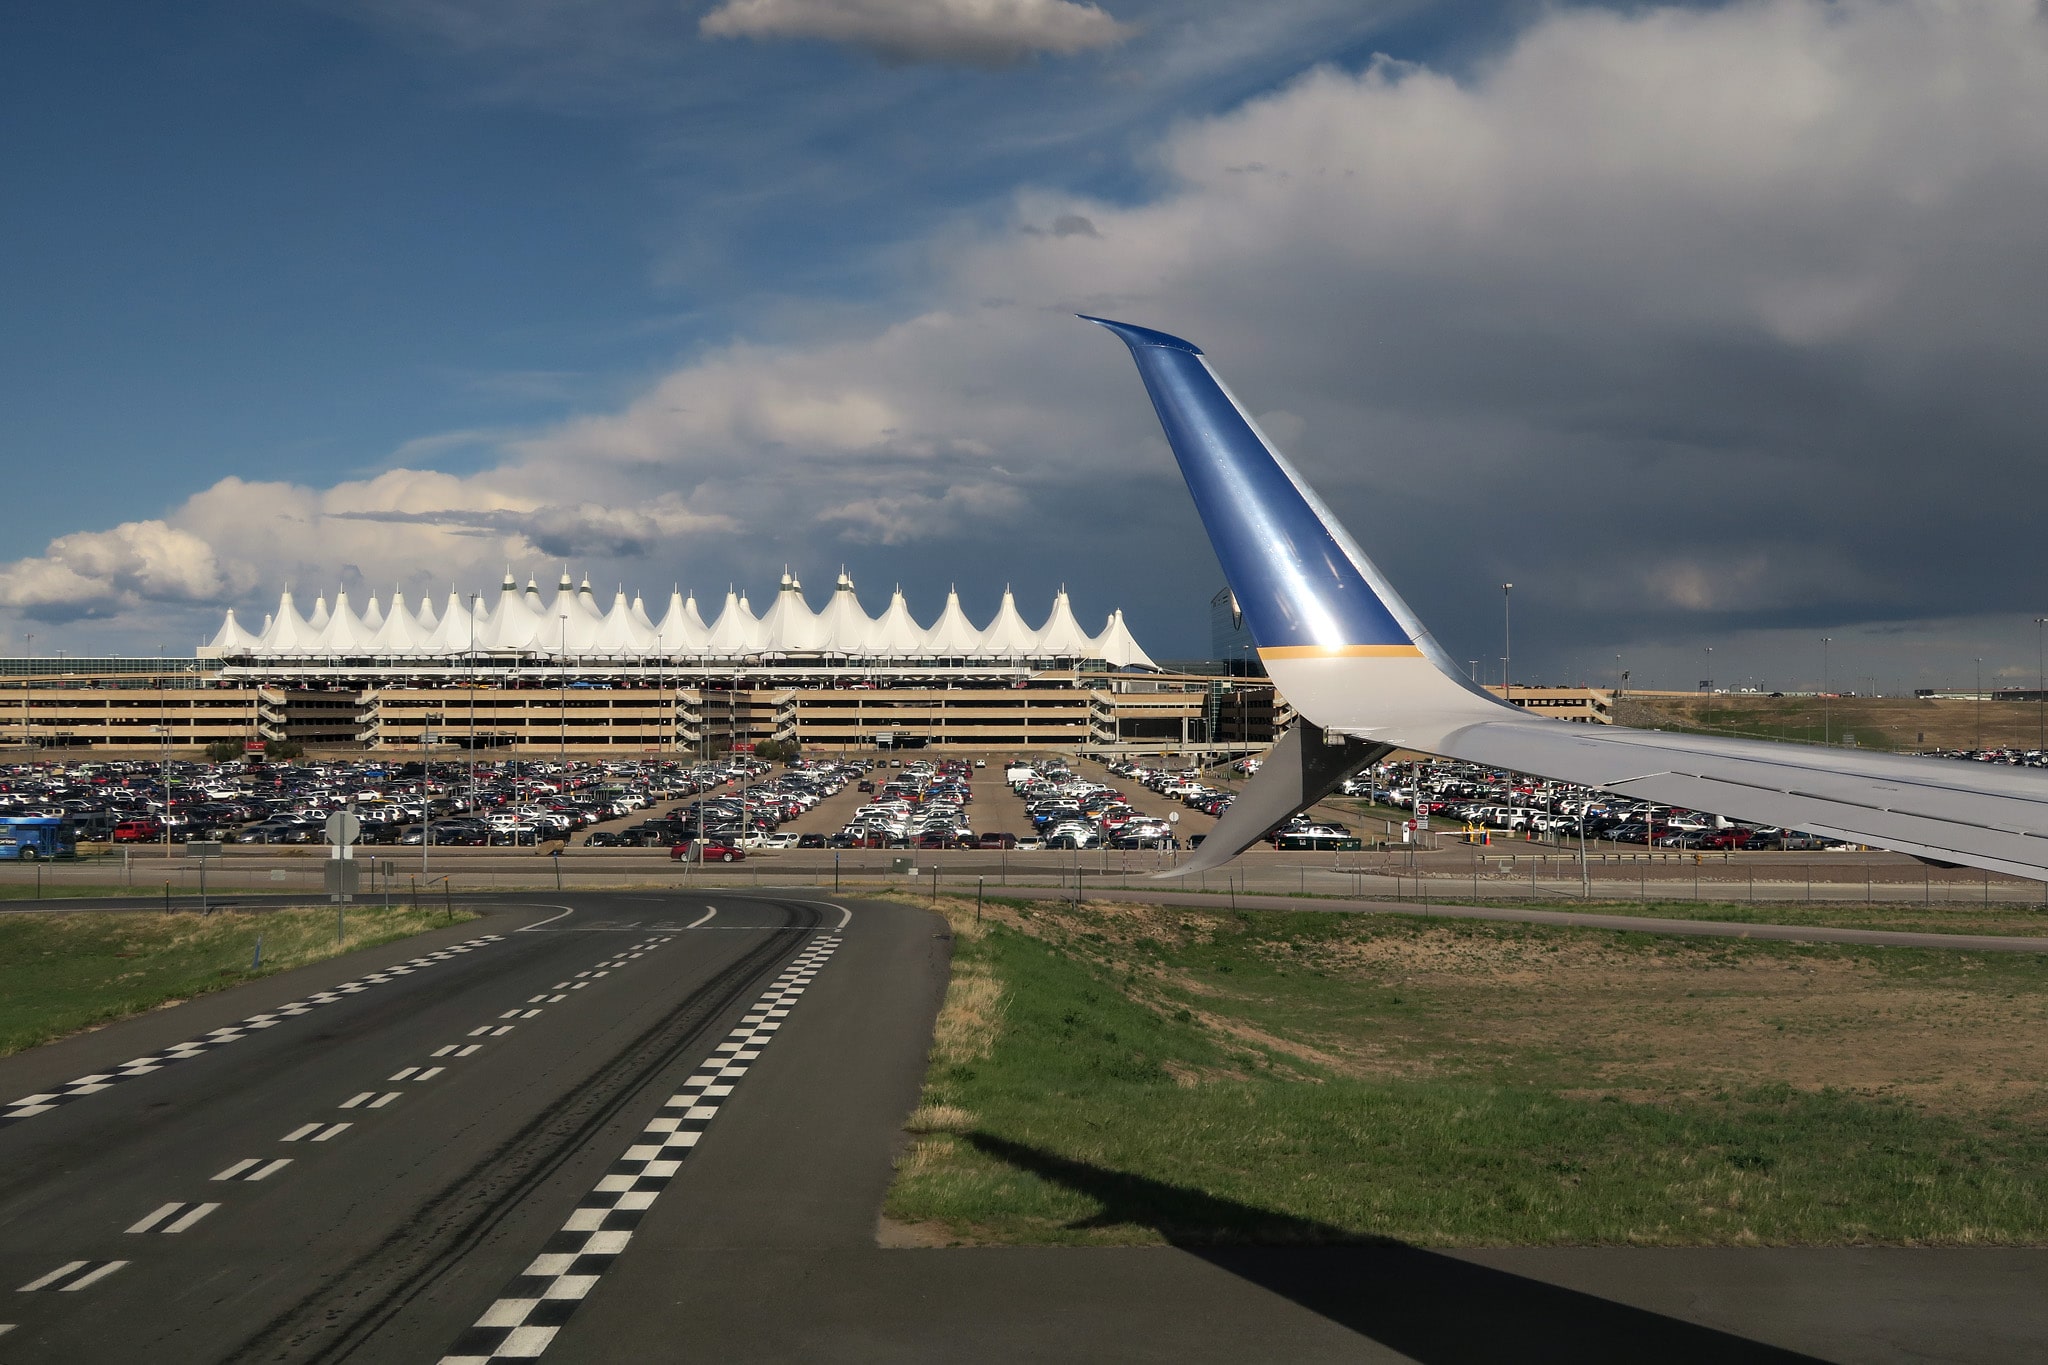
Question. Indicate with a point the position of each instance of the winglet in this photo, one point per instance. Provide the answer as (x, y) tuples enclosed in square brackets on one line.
[(1300, 582), (1335, 637)]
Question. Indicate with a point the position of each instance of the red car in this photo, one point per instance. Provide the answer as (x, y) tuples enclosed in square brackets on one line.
[(138, 832), (706, 853)]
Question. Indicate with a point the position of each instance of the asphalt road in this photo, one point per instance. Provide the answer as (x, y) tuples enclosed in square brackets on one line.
[(309, 1190), (680, 1154)]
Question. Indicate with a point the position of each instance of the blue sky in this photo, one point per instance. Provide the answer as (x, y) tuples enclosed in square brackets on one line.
[(437, 285)]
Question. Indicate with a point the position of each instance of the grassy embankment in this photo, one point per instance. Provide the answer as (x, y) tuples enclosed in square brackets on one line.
[(1886, 723), (2006, 919), (1139, 1074), (60, 973)]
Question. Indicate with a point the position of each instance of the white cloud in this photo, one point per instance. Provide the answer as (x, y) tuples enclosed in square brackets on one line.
[(97, 573), (971, 32)]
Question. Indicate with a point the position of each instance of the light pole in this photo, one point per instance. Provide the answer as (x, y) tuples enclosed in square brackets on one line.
[(426, 790), (28, 672), (562, 675), (1507, 652), (2040, 688), (472, 704), (1977, 739), (165, 731), (1707, 682), (1827, 703)]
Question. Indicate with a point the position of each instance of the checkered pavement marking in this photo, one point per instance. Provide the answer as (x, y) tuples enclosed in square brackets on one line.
[(28, 1106), (539, 1300)]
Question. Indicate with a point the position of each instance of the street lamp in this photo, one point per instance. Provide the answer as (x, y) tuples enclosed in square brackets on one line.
[(1507, 652), (164, 771), (1707, 682), (1977, 739), (27, 673), (1827, 703), (562, 675), (2040, 689), (426, 789)]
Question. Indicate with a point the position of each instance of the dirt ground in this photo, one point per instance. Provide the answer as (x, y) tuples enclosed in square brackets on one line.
[(1594, 1013)]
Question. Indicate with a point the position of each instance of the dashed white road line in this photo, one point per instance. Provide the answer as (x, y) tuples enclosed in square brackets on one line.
[(254, 1168), (28, 1106), (72, 1276), (180, 1216)]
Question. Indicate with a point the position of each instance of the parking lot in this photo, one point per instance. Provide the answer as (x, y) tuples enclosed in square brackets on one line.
[(540, 824)]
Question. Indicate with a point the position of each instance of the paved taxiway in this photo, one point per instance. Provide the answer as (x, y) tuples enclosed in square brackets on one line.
[(495, 1189)]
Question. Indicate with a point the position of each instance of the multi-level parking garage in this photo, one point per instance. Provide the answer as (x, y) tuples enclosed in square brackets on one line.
[(526, 672)]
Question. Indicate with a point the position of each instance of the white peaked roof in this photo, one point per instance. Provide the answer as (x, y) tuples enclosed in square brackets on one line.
[(896, 634), (1007, 637), (844, 627), (1061, 637), (521, 621), (513, 622), (399, 634), (288, 632), (230, 639), (619, 633), (560, 621), (952, 636), (788, 627), (343, 634), (735, 631), (452, 633), (682, 630), (1116, 647)]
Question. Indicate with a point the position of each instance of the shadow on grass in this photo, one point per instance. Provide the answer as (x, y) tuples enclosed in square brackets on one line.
[(1433, 1308)]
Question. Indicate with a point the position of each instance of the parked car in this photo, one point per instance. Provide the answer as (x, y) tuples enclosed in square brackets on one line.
[(994, 840)]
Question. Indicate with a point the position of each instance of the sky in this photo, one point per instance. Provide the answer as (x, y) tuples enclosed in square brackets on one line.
[(1716, 329)]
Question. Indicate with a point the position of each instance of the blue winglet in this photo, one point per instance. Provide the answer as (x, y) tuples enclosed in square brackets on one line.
[(1296, 583)]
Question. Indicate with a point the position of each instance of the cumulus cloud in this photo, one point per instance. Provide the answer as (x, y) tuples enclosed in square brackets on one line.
[(969, 32), (241, 540), (1696, 320), (100, 573)]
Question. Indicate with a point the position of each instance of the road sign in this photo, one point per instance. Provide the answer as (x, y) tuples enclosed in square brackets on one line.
[(343, 828), (253, 746), (1173, 817), (200, 848)]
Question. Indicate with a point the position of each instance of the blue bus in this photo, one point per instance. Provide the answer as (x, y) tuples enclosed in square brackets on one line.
[(25, 838)]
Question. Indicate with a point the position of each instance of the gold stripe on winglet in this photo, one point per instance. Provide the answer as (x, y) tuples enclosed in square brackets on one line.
[(1341, 652)]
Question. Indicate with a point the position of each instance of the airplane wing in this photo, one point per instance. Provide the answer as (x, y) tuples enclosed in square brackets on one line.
[(1341, 645)]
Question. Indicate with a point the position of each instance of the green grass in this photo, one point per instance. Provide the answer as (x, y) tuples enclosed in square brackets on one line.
[(73, 970), (2004, 920), (1197, 1080)]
